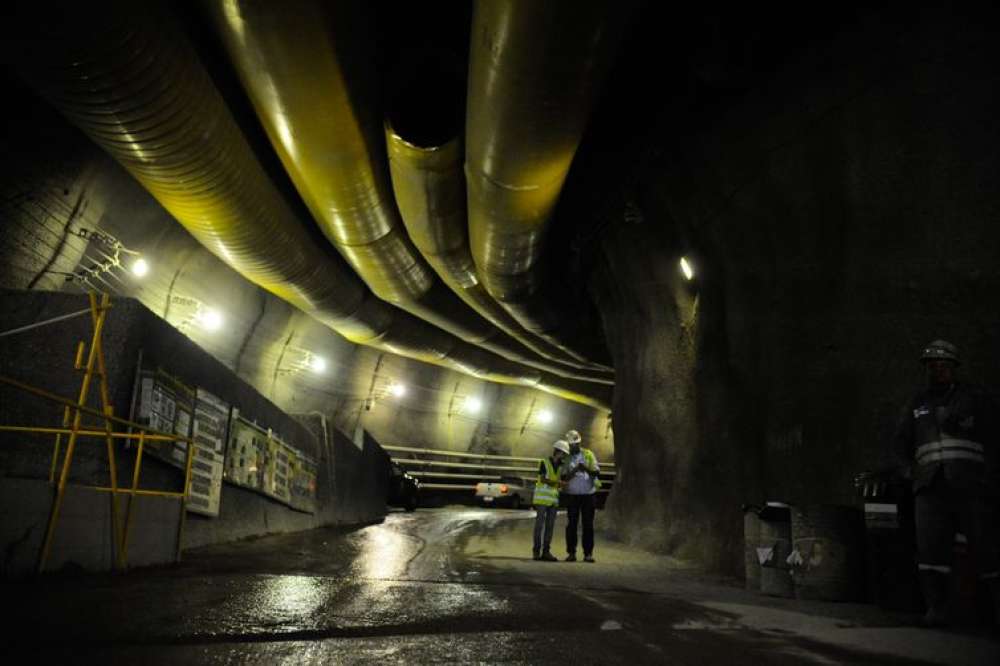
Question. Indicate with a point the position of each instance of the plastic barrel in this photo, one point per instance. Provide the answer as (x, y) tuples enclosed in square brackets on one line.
[(751, 541), (829, 564), (775, 547)]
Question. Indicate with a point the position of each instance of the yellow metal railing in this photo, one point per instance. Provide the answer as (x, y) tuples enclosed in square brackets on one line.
[(73, 429)]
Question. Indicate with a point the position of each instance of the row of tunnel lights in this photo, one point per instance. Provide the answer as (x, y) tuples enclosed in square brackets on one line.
[(211, 320)]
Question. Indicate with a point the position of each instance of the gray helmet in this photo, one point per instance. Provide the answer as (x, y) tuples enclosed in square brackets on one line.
[(940, 350), (573, 437), (561, 445)]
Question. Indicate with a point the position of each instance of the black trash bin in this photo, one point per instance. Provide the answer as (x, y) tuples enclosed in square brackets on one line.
[(773, 549), (891, 543)]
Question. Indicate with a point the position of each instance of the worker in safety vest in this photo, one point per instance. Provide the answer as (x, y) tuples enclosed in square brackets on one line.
[(546, 501), (947, 439), (580, 473)]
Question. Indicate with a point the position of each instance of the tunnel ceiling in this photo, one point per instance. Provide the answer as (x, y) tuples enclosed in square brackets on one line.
[(304, 177), (404, 193)]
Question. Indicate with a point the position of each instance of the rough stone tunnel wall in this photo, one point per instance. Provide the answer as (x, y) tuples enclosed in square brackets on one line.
[(840, 215)]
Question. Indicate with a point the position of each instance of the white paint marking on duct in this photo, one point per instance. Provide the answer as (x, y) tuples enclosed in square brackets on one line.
[(611, 625)]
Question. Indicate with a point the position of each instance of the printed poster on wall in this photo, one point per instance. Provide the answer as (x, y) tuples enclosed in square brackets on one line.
[(210, 433), (249, 457), (165, 404), (302, 484), (258, 459)]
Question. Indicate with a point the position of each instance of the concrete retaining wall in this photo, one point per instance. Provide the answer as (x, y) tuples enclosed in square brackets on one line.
[(351, 481)]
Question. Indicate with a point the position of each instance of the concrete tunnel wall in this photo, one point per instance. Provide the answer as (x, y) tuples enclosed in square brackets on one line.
[(351, 480), (840, 215)]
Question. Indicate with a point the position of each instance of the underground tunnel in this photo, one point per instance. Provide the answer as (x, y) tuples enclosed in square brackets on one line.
[(263, 260)]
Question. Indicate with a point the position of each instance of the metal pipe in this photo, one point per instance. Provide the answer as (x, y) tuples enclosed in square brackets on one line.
[(447, 475), (430, 190), (46, 322), (457, 454), (300, 70), (130, 79), (534, 71)]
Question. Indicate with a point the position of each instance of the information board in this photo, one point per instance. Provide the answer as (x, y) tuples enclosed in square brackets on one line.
[(302, 484), (258, 459), (165, 404), (210, 434)]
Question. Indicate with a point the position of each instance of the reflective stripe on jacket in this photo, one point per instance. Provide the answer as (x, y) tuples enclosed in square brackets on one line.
[(950, 449), (545, 494), (950, 433)]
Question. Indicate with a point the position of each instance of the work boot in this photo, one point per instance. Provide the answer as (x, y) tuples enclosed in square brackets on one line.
[(588, 558), (535, 555), (548, 557), (570, 558), (935, 588)]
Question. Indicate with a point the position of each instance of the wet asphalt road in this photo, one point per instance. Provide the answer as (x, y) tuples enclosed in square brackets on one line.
[(445, 586)]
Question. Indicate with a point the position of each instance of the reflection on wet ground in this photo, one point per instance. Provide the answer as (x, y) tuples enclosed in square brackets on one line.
[(455, 586)]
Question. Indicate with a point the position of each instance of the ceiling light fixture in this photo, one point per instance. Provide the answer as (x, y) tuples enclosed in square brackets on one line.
[(140, 267), (687, 269), (318, 364), (398, 390), (545, 416), (473, 405), (210, 320)]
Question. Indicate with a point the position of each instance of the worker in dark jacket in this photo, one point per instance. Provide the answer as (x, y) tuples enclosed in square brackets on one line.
[(947, 439)]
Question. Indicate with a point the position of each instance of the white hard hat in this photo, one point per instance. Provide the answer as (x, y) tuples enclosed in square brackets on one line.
[(573, 437), (561, 445)]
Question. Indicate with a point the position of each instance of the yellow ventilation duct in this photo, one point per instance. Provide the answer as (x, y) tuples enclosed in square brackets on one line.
[(128, 77), (322, 124), (534, 71), (430, 190)]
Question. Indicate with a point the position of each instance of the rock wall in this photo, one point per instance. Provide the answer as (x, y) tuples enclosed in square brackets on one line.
[(840, 213)]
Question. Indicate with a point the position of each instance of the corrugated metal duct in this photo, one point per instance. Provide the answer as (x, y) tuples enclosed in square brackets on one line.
[(534, 71), (127, 75), (326, 131), (430, 190)]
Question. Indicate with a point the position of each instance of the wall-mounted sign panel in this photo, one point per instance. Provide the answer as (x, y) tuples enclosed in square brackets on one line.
[(210, 433), (259, 460), (302, 484), (165, 404)]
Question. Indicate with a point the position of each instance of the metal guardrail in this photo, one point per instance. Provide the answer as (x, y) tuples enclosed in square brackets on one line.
[(476, 456), (74, 430), (478, 466), (435, 463)]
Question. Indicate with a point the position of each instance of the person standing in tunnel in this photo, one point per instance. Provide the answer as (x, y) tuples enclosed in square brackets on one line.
[(580, 473), (947, 441), (546, 501)]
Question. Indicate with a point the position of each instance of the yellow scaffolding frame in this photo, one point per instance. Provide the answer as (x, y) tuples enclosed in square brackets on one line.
[(73, 428)]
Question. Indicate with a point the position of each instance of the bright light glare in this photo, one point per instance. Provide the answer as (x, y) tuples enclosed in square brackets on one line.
[(140, 267), (686, 268), (545, 416), (398, 390), (211, 320), (473, 405), (318, 364)]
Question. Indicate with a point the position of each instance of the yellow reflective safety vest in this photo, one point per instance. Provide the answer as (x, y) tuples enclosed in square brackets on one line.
[(545, 494)]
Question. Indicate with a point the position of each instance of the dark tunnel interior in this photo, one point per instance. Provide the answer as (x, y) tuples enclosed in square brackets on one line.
[(485, 205)]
